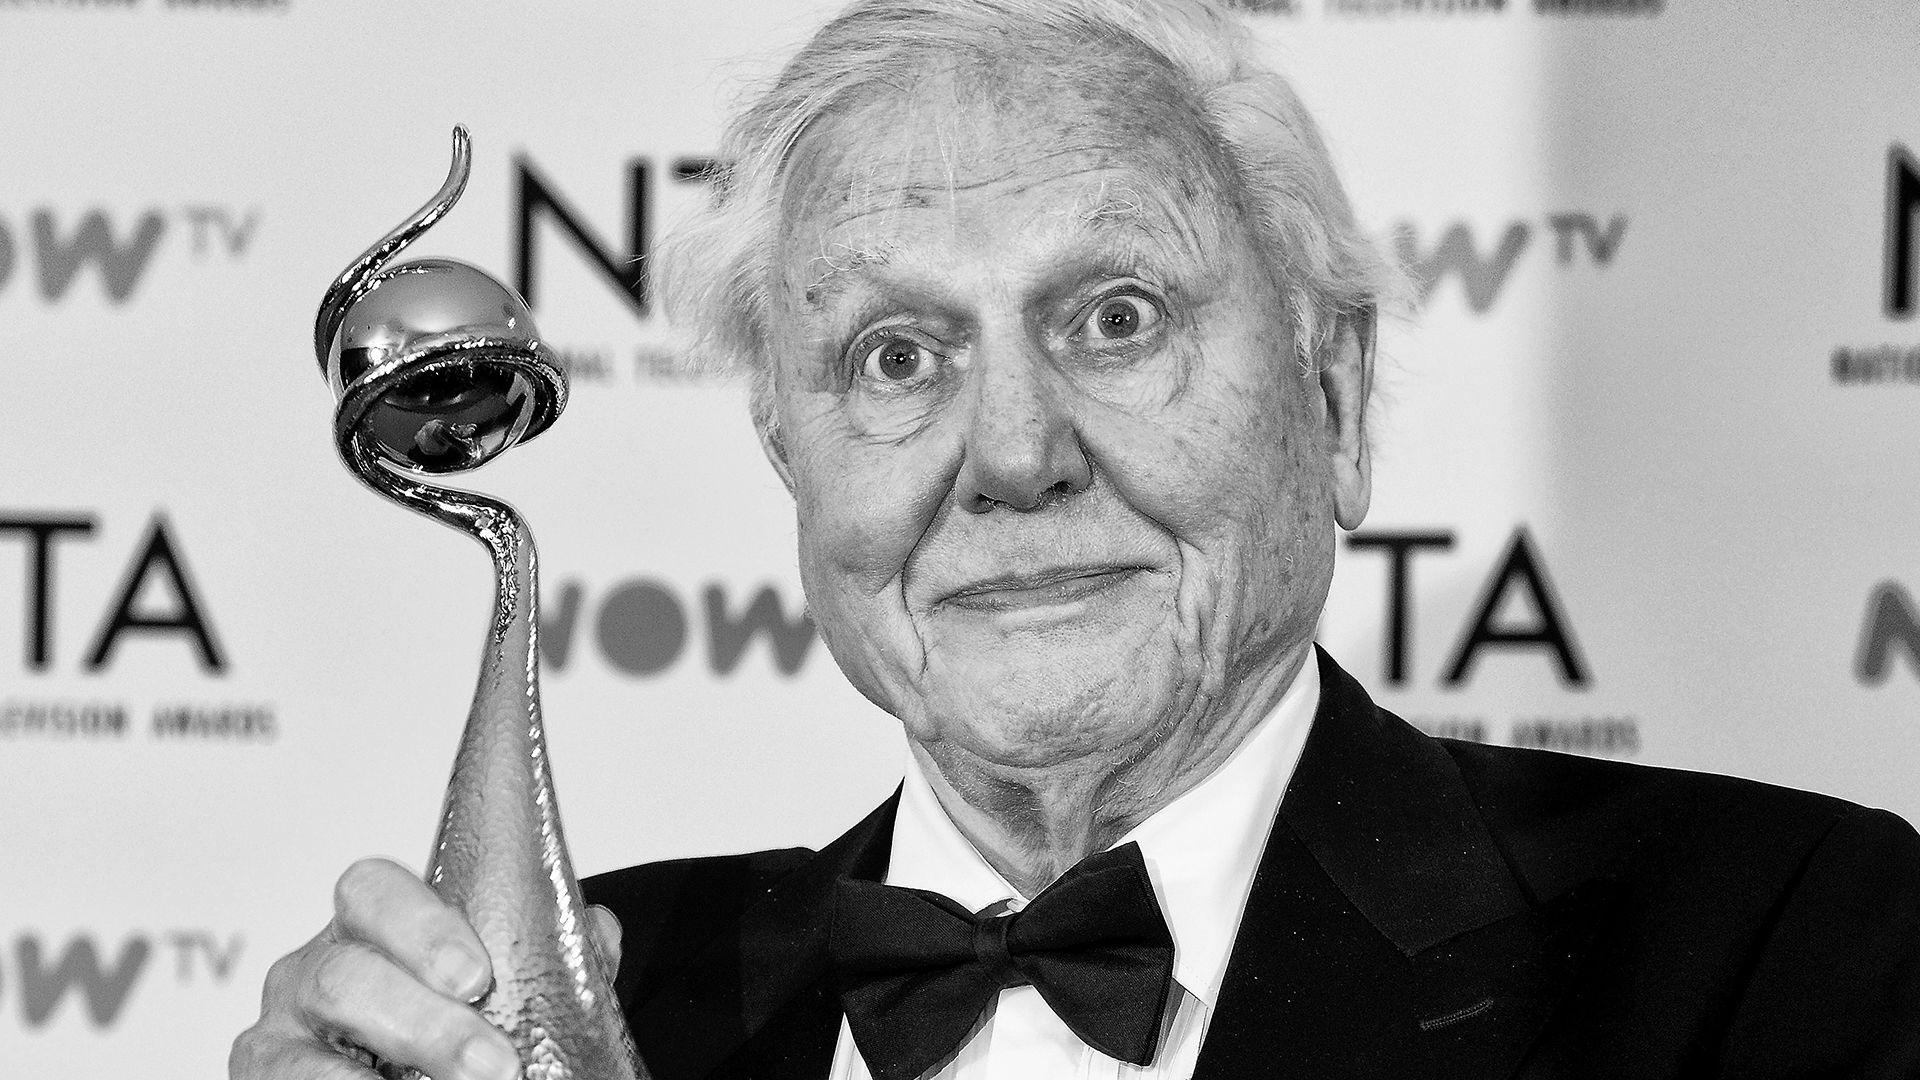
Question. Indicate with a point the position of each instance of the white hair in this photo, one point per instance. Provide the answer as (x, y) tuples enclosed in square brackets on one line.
[(717, 267)]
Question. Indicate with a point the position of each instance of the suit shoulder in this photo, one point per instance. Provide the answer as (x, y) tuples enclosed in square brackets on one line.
[(684, 899), (1550, 782), (749, 870), (1565, 815)]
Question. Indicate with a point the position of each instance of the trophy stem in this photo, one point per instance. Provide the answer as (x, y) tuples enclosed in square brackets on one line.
[(500, 855)]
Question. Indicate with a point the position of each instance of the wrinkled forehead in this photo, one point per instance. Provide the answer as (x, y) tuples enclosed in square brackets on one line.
[(1113, 144)]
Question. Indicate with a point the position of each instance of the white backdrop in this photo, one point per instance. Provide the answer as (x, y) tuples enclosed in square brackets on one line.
[(1661, 346)]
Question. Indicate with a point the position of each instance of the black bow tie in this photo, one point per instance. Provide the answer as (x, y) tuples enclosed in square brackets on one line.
[(916, 969)]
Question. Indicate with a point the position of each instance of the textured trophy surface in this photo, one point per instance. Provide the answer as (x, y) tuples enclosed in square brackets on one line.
[(437, 368)]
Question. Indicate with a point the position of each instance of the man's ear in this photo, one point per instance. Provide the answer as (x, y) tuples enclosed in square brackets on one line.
[(766, 425), (1346, 383)]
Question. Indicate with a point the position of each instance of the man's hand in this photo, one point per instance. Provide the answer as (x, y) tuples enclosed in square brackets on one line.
[(395, 973)]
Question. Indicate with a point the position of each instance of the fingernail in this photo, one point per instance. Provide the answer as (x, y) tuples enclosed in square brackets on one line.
[(458, 969), (486, 1059)]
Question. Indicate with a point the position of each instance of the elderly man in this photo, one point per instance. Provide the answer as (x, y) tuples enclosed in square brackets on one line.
[(1061, 330)]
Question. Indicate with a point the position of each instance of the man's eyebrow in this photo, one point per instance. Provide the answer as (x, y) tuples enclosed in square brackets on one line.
[(834, 266)]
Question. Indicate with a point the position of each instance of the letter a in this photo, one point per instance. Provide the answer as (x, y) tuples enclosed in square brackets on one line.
[(1521, 565), (186, 617)]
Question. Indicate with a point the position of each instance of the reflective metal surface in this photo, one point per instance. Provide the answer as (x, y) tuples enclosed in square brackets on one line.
[(437, 368), (427, 414)]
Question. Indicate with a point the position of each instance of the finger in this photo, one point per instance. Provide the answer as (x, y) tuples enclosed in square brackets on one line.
[(357, 993), (261, 1054), (604, 925), (382, 904)]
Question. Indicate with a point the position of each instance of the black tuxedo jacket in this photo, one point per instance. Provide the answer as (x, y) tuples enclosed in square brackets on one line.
[(1424, 908)]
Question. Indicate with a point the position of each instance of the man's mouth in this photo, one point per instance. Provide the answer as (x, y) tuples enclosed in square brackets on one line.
[(1043, 588)]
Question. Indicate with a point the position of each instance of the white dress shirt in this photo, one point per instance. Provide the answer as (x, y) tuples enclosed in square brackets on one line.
[(1201, 851)]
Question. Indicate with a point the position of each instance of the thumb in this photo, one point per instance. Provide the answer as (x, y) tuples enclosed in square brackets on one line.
[(605, 929)]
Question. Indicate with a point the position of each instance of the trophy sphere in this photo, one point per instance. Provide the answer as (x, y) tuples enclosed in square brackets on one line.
[(446, 364)]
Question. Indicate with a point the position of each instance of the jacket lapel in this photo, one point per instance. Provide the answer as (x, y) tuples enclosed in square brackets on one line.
[(757, 1000), (1385, 935)]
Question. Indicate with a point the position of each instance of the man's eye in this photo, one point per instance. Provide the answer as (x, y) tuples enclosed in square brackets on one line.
[(898, 359), (1118, 318)]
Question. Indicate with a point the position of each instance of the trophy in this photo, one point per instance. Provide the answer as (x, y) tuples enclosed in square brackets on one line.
[(437, 368)]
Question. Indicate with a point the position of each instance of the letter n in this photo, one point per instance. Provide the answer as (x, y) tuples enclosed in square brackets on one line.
[(1520, 566), (627, 275), (1892, 620), (186, 618), (1903, 203)]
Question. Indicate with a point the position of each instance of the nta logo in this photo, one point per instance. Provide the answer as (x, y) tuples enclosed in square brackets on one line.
[(627, 275), (59, 251), (1520, 573), (1903, 204), (44, 976), (157, 560)]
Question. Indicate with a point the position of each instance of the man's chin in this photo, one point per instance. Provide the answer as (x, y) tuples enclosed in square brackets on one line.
[(1031, 683), (1033, 708)]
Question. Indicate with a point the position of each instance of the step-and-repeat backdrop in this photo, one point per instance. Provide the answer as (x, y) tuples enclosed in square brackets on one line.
[(1648, 452)]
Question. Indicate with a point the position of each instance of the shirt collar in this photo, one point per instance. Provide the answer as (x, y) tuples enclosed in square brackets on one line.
[(930, 852), (1201, 849)]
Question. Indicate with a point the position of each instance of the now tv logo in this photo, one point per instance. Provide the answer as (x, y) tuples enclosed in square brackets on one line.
[(59, 254), (45, 974), (644, 627), (1580, 239), (55, 247)]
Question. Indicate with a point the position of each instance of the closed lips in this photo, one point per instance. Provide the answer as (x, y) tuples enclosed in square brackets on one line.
[(1058, 585)]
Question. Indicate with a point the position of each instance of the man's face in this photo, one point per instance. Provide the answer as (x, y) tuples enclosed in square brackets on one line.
[(1062, 483)]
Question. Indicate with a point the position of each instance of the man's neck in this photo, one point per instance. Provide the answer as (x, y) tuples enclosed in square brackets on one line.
[(1033, 823)]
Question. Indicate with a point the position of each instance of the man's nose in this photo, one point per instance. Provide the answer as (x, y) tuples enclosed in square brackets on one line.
[(1022, 449)]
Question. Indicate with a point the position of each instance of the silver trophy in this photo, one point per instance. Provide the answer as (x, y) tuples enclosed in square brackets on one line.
[(437, 368)]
